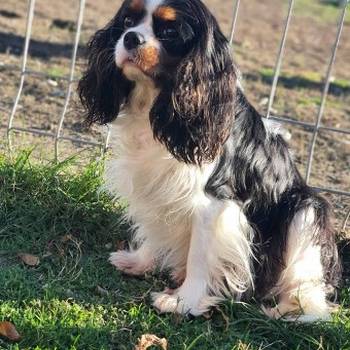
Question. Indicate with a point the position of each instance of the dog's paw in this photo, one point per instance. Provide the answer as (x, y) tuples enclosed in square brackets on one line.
[(129, 262), (174, 302), (294, 313)]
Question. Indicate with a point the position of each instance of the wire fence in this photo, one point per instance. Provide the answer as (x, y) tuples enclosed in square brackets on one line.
[(57, 135)]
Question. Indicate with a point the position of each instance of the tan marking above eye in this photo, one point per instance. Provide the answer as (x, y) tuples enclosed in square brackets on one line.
[(166, 13), (137, 5)]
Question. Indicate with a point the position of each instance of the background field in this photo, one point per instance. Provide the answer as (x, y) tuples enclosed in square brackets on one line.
[(73, 299)]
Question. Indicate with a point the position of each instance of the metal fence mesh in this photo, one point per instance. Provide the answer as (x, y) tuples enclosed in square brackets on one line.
[(57, 136)]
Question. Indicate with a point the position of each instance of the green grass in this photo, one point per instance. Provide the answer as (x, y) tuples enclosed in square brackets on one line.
[(309, 80), (56, 72), (322, 12), (305, 79), (75, 300)]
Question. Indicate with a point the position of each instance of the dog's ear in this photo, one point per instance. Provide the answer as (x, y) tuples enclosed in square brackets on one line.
[(103, 89), (192, 116)]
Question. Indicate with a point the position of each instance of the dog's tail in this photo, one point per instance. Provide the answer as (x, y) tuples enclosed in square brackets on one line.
[(325, 237)]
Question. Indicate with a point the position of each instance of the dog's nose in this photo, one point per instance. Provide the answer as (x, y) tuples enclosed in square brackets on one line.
[(132, 40)]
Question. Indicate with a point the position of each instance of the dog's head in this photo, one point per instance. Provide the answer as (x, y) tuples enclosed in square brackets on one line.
[(179, 46)]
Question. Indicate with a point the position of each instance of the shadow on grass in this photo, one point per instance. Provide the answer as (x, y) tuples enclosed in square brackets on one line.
[(337, 87), (58, 215), (13, 44)]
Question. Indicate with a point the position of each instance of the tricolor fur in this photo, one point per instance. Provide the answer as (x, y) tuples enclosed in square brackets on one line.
[(213, 193)]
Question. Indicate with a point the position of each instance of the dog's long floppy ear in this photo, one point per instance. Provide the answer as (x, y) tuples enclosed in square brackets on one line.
[(192, 116), (103, 89)]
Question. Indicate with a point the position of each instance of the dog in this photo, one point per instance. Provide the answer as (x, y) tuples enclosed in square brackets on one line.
[(214, 195)]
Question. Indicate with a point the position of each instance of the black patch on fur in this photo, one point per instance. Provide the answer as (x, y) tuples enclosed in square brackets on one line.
[(194, 111), (256, 170), (180, 45)]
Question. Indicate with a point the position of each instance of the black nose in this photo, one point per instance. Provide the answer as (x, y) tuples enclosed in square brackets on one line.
[(132, 40)]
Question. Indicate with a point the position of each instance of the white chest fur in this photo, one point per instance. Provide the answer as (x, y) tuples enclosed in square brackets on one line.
[(161, 192)]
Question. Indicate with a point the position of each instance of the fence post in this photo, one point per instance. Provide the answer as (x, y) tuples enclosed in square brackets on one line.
[(30, 16), (279, 58), (325, 92), (234, 20), (71, 75)]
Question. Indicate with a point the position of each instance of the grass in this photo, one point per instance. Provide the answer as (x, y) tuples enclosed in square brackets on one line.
[(306, 79), (75, 300), (56, 72), (325, 12)]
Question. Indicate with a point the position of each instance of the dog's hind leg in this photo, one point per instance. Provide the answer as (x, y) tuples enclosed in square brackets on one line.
[(302, 287)]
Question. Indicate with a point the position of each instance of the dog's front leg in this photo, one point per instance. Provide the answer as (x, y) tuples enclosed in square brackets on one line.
[(134, 261), (193, 295)]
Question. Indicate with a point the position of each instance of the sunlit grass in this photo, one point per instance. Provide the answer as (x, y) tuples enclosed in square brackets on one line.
[(75, 300), (325, 11)]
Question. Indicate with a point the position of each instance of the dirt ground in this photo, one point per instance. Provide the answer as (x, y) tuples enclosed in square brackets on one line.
[(256, 41)]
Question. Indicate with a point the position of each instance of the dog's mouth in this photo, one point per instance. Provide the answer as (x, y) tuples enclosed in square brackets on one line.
[(133, 67), (130, 62), (135, 71), (145, 60)]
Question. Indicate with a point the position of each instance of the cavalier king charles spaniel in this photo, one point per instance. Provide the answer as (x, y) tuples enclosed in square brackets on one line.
[(214, 195)]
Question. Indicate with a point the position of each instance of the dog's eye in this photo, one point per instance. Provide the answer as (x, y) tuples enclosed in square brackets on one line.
[(128, 22), (169, 33)]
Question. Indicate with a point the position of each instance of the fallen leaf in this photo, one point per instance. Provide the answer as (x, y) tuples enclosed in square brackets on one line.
[(101, 291), (9, 331), (148, 340), (29, 259)]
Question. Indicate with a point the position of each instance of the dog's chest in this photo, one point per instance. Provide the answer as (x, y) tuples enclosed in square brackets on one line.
[(143, 171)]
